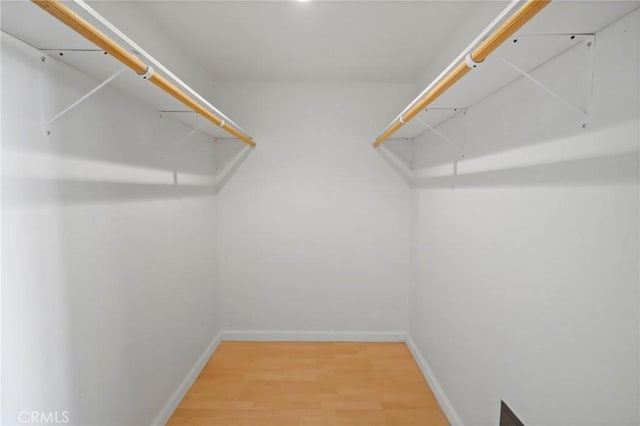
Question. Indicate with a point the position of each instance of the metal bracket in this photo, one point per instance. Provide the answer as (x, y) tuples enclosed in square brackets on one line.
[(84, 97), (62, 51), (148, 73), (203, 123), (470, 62), (589, 43), (412, 141), (591, 47), (404, 159), (455, 109), (541, 85), (459, 146)]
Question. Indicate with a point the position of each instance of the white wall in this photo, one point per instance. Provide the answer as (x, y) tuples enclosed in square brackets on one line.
[(109, 293), (314, 226), (526, 278)]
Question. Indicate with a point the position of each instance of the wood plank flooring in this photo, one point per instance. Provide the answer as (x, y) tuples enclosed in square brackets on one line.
[(310, 384)]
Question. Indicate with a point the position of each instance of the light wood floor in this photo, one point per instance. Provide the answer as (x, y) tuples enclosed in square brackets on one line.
[(310, 384)]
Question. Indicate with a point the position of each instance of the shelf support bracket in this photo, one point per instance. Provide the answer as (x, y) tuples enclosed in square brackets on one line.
[(442, 136), (542, 86), (185, 137), (191, 132), (454, 109), (85, 97)]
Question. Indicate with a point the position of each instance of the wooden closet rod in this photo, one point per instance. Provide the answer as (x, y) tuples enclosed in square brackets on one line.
[(91, 33), (479, 54)]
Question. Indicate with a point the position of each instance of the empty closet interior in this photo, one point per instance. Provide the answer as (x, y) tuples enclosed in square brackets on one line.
[(458, 178)]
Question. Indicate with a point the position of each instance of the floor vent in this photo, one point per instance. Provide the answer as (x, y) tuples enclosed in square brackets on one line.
[(507, 417)]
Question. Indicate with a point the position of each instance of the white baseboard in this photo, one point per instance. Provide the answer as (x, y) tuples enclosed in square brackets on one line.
[(437, 390), (167, 411), (313, 336)]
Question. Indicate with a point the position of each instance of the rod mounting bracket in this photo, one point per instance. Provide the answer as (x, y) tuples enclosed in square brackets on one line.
[(148, 73), (84, 97), (470, 62)]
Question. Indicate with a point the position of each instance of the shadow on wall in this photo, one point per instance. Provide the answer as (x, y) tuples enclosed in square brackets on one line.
[(48, 179), (45, 191), (606, 170), (605, 156)]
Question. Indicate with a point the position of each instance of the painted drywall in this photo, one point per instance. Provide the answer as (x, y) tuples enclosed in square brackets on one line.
[(314, 227), (525, 279), (108, 284)]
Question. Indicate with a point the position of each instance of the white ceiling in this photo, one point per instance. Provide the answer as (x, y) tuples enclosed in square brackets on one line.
[(313, 41), (379, 41)]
